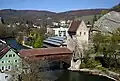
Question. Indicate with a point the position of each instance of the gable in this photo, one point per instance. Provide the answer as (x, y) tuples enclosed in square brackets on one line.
[(10, 55), (82, 26)]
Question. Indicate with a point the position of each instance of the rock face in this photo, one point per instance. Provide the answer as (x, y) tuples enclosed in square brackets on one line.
[(75, 64), (108, 23)]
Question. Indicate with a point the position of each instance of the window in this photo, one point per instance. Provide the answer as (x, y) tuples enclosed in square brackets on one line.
[(2, 67), (8, 67), (59, 33), (9, 61), (64, 33), (10, 55), (13, 55), (84, 33), (6, 55), (15, 60), (80, 33), (2, 61)]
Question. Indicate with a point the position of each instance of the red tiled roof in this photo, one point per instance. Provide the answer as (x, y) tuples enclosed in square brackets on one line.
[(74, 26), (44, 51), (4, 51)]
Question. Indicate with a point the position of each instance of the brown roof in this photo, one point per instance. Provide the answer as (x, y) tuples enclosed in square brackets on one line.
[(4, 51), (74, 26), (44, 51)]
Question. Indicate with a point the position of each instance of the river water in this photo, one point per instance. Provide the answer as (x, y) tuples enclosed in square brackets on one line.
[(13, 43), (60, 74)]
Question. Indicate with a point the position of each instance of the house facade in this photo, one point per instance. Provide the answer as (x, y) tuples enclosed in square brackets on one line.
[(78, 35), (9, 58), (59, 31)]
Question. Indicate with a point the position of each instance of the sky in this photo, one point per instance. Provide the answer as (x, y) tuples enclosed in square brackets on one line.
[(56, 5)]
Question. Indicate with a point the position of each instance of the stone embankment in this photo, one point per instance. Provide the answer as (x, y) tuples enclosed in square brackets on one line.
[(23, 43), (27, 46), (109, 74)]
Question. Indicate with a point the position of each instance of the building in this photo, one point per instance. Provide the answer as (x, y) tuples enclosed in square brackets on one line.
[(1, 20), (43, 57), (59, 31), (59, 28), (39, 53), (78, 35), (55, 23), (9, 58), (46, 55), (54, 42)]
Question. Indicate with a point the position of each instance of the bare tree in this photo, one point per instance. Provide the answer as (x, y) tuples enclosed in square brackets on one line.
[(32, 68)]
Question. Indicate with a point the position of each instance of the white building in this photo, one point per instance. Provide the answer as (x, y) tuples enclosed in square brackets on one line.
[(62, 22), (59, 31), (62, 32), (55, 23)]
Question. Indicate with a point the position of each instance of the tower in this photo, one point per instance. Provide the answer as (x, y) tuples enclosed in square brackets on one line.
[(0, 20)]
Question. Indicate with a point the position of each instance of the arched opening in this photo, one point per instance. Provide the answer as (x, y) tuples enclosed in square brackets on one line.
[(65, 65)]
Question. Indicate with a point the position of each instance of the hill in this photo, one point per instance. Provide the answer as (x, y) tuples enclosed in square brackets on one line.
[(11, 16), (35, 16)]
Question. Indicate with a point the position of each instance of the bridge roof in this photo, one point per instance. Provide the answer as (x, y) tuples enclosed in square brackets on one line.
[(45, 51)]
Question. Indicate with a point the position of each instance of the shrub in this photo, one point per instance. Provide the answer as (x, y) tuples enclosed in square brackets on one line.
[(91, 63), (101, 68), (82, 65)]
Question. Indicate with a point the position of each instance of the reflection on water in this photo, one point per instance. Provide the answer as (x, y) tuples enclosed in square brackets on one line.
[(64, 75), (80, 76), (13, 43)]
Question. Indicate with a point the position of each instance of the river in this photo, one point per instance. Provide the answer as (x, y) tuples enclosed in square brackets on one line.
[(13, 43), (60, 74)]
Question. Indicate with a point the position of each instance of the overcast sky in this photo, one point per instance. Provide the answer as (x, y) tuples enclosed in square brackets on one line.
[(56, 5)]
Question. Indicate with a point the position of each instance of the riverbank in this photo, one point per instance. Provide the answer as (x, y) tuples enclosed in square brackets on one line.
[(109, 74), (27, 46)]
